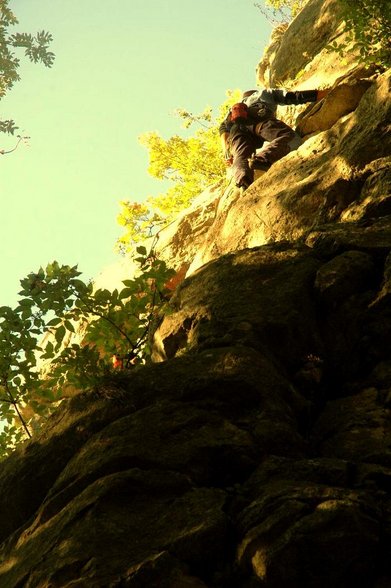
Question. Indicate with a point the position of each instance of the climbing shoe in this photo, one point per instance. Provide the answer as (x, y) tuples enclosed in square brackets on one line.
[(258, 164), (243, 184)]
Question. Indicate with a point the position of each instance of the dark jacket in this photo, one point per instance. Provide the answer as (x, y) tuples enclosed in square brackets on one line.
[(266, 101)]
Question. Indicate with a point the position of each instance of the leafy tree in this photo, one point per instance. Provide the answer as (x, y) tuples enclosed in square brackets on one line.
[(368, 26), (36, 48), (189, 163), (40, 355)]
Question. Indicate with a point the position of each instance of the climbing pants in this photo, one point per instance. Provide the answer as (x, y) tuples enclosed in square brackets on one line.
[(246, 139)]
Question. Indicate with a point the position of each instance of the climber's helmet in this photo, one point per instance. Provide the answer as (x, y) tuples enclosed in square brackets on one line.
[(248, 93)]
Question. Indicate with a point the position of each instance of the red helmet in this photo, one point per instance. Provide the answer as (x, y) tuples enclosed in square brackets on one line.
[(239, 110)]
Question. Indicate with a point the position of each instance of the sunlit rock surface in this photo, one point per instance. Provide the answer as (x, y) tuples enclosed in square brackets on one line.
[(341, 173)]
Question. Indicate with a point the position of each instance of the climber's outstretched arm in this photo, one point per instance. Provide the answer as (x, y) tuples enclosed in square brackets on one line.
[(288, 97)]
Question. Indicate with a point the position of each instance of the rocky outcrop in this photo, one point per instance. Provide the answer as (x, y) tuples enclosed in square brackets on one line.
[(255, 451), (341, 172), (300, 56)]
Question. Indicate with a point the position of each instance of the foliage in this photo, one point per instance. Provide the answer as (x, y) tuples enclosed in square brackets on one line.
[(368, 26), (189, 163), (40, 354), (36, 48), (278, 11)]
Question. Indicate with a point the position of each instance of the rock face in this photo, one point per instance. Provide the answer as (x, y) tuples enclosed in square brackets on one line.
[(256, 450), (300, 54), (340, 172), (257, 453)]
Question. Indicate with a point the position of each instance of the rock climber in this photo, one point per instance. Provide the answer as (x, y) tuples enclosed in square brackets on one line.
[(252, 122)]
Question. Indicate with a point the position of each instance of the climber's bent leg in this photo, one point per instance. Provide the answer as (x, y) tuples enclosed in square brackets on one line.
[(243, 144), (281, 140)]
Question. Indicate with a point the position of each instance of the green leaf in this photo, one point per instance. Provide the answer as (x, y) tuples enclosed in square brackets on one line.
[(60, 334), (26, 302), (54, 322), (68, 325), (49, 347), (126, 293)]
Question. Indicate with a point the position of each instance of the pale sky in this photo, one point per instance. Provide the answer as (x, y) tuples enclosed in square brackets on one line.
[(122, 67)]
